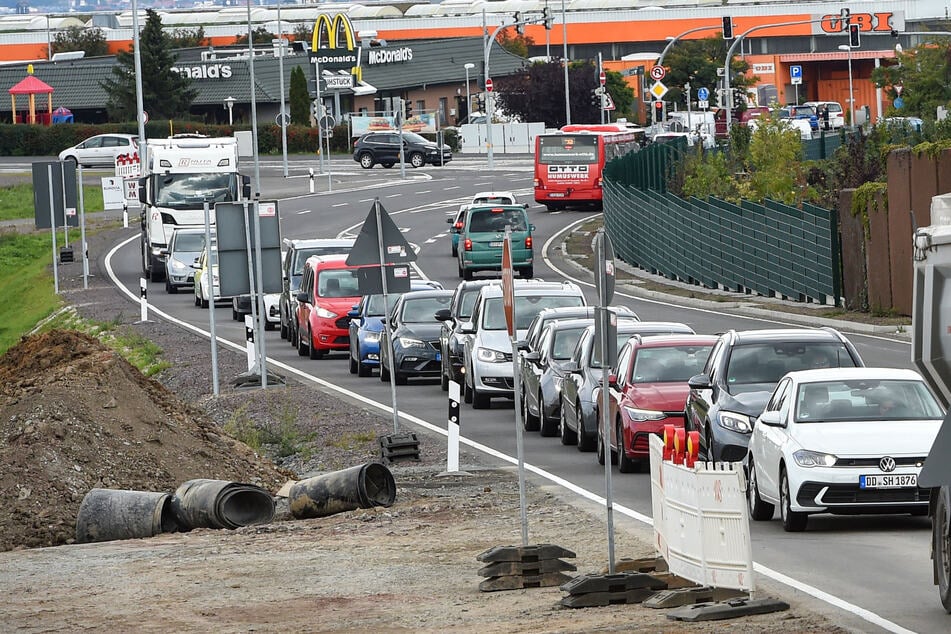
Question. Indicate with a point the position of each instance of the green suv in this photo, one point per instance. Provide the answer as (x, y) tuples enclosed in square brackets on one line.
[(480, 241)]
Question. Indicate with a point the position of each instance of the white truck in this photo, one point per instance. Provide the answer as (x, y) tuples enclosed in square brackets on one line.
[(179, 174), (931, 354)]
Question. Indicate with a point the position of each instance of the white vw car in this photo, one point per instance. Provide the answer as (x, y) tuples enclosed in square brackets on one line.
[(842, 440)]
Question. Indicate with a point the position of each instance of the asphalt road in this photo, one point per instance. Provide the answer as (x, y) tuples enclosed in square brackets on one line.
[(876, 569)]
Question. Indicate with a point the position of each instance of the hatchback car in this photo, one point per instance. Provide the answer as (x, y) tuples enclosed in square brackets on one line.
[(206, 283), (742, 370), (184, 247), (648, 389), (366, 325), (101, 150), (329, 289), (845, 440), (296, 253), (480, 243), (412, 340), (579, 391), (451, 338), (458, 218), (384, 148)]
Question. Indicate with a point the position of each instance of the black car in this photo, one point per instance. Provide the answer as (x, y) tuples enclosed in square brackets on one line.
[(296, 253), (384, 148), (742, 372), (451, 341), (579, 410), (415, 336)]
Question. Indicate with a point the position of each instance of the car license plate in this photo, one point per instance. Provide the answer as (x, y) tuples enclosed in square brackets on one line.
[(556, 195), (890, 481), (495, 245), (438, 356)]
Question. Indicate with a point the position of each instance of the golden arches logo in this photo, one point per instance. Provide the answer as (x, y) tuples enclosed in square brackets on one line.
[(333, 33)]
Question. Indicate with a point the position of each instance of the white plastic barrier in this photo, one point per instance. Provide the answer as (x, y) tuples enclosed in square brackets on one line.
[(508, 138), (701, 521)]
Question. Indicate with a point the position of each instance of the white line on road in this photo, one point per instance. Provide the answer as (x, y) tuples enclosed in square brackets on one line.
[(366, 200), (340, 205), (306, 211), (394, 195), (424, 191), (453, 187), (430, 241)]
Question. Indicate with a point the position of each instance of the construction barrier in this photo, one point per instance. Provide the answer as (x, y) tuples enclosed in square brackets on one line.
[(701, 520)]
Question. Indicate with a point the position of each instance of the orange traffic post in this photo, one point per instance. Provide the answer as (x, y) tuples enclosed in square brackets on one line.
[(668, 442)]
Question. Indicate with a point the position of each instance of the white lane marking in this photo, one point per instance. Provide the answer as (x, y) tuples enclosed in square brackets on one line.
[(481, 184), (393, 196), (424, 191), (340, 204), (366, 200), (306, 211), (440, 235), (430, 241), (860, 612), (453, 187), (554, 213)]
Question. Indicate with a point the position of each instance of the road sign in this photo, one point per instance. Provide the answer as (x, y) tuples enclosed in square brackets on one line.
[(658, 73), (508, 285), (795, 75), (658, 89), (338, 82), (145, 117), (703, 94), (366, 249), (607, 103), (488, 85), (703, 104), (327, 122), (898, 89), (602, 78), (282, 118), (898, 103)]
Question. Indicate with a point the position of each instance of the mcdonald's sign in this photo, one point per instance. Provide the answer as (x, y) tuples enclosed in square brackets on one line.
[(334, 45)]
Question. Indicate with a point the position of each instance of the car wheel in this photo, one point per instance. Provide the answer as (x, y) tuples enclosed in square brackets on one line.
[(600, 450), (568, 437), (154, 274), (466, 392), (793, 522), (624, 464), (416, 159), (284, 330), (168, 286), (235, 315), (546, 426), (466, 274), (387, 165), (268, 325), (586, 442), (354, 364), (455, 251), (366, 160), (443, 382), (400, 379), (530, 422), (314, 352), (384, 372), (197, 299), (941, 546), (527, 272), (301, 347), (205, 303), (759, 510), (480, 400)]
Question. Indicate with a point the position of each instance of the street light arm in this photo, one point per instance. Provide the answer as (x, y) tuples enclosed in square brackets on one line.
[(660, 60), (729, 56), (489, 109)]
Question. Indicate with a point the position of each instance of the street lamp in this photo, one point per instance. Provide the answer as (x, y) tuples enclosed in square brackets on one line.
[(468, 67), (229, 104), (846, 47)]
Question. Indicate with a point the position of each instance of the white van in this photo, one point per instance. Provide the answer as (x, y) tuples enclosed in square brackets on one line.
[(836, 114)]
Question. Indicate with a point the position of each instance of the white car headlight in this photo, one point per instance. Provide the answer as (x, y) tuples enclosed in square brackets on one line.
[(177, 267), (372, 337), (806, 458), (324, 313), (490, 356), (644, 414), (409, 342), (735, 422)]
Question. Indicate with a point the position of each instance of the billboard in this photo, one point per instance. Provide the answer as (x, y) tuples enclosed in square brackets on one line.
[(423, 122)]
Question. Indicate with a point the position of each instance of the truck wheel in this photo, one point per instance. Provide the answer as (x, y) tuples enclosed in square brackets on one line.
[(941, 544), (366, 160)]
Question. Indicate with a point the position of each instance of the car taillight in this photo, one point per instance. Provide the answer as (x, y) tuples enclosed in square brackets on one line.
[(536, 182), (528, 242), (458, 225), (468, 244), (600, 181)]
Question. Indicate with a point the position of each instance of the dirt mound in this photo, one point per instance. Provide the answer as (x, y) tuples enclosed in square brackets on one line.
[(77, 416)]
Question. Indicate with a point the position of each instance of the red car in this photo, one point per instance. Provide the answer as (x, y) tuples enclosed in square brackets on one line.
[(329, 289), (649, 391)]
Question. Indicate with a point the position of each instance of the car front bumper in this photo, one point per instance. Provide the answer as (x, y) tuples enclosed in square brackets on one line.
[(837, 490)]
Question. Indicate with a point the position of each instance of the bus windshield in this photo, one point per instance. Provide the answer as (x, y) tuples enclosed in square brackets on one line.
[(568, 149)]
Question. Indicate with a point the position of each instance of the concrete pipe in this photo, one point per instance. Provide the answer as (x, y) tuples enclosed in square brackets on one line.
[(221, 504), (108, 514), (363, 486)]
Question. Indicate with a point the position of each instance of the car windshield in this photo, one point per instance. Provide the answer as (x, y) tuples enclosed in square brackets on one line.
[(669, 364), (623, 336), (189, 242), (467, 302), (338, 283), (422, 310), (865, 400), (496, 219), (186, 191), (375, 304), (301, 255), (526, 307), (756, 367), (493, 200), (565, 341)]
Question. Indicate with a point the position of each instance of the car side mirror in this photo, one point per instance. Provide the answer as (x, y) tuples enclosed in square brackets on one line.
[(572, 367), (353, 314), (443, 314), (525, 205), (532, 356), (699, 382), (612, 380), (521, 344), (163, 252), (531, 227), (303, 298), (449, 220), (771, 418)]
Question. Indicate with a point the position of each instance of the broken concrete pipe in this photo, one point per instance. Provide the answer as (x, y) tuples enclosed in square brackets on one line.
[(108, 514), (363, 486), (205, 503)]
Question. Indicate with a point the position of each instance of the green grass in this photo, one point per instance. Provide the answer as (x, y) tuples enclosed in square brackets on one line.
[(26, 283), (16, 201)]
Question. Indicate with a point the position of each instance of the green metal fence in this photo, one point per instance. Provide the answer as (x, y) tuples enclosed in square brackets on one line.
[(771, 249), (822, 146)]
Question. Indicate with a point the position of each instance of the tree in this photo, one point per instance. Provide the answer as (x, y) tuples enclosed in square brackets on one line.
[(187, 38), (696, 62), (259, 34), (924, 73), (78, 38), (516, 44), (165, 93), (303, 33), (537, 93), (299, 97)]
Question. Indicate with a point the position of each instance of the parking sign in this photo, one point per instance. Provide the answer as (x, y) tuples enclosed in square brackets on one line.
[(795, 75)]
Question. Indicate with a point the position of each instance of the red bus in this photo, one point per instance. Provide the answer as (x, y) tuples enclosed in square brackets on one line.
[(568, 163)]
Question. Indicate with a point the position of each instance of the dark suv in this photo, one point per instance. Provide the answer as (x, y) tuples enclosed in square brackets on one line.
[(741, 373), (384, 148)]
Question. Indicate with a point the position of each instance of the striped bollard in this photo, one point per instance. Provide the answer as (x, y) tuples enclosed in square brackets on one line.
[(452, 451), (249, 338), (143, 299)]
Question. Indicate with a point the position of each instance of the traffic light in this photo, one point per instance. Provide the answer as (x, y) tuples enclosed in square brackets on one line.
[(596, 97), (845, 16), (519, 27), (659, 111), (727, 27), (854, 37), (546, 17), (408, 109)]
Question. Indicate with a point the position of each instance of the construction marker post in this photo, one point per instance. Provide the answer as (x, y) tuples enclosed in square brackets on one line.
[(125, 215), (144, 299), (452, 450), (249, 339), (312, 186)]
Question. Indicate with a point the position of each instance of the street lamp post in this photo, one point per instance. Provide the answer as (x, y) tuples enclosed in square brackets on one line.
[(564, 62), (846, 47), (229, 104), (468, 67)]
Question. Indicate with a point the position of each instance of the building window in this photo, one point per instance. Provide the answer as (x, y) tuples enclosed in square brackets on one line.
[(443, 104)]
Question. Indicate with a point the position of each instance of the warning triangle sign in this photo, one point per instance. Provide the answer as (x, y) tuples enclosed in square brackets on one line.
[(366, 249)]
